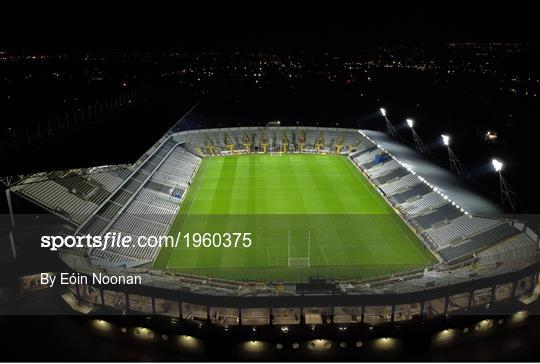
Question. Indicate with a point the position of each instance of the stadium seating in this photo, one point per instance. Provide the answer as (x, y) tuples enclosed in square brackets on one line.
[(428, 201), (110, 259), (129, 187), (148, 209), (392, 175), (348, 139), (400, 185), (177, 170), (136, 225), (364, 146), (151, 212), (443, 213), (57, 198), (459, 229), (480, 241), (368, 156), (109, 181), (154, 198), (443, 224), (381, 169), (515, 248), (75, 183), (410, 194)]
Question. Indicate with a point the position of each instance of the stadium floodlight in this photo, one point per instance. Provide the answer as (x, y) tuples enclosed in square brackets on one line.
[(507, 194), (455, 163), (410, 122), (391, 130), (445, 139), (418, 143), (497, 165)]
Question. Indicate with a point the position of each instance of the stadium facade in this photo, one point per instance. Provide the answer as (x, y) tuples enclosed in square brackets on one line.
[(481, 260)]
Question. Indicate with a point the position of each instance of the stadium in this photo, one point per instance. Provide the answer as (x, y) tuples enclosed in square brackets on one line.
[(278, 225)]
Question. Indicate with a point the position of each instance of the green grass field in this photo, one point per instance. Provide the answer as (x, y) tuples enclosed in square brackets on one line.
[(308, 215)]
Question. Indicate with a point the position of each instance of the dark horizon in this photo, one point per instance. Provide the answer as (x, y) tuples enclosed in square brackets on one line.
[(339, 28)]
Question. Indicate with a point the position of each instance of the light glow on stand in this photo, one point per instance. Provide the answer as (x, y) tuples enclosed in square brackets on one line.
[(422, 179)]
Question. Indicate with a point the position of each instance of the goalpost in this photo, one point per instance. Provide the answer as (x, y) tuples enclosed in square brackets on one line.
[(273, 153), (296, 259)]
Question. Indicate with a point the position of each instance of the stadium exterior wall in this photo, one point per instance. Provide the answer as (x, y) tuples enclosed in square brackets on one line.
[(519, 284)]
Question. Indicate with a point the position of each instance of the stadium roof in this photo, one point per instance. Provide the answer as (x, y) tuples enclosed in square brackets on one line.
[(457, 189)]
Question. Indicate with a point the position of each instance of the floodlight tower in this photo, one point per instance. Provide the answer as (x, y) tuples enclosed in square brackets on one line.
[(455, 163), (418, 143), (507, 194), (391, 130)]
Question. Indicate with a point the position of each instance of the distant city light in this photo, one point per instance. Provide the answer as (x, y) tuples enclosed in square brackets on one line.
[(491, 135)]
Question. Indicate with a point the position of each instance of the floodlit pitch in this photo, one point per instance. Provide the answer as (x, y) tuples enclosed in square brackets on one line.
[(306, 216)]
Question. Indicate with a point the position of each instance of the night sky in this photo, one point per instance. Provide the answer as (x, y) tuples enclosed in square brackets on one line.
[(269, 26)]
